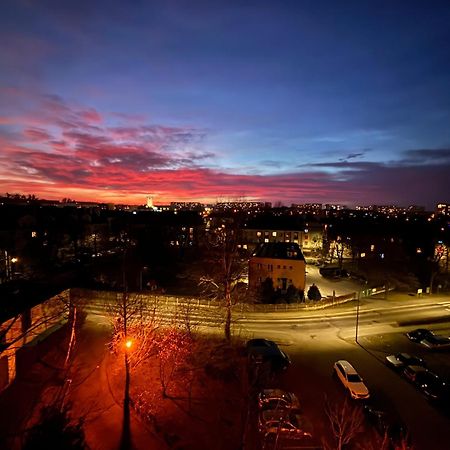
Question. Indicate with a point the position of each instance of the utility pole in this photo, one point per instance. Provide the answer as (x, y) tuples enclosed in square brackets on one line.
[(357, 317)]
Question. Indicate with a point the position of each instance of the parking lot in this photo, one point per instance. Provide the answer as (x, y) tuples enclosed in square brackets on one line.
[(310, 378)]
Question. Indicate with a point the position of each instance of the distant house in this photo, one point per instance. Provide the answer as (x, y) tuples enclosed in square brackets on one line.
[(282, 262)]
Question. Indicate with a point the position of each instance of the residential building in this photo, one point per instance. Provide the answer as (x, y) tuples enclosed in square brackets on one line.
[(443, 209), (22, 330), (308, 237), (282, 262)]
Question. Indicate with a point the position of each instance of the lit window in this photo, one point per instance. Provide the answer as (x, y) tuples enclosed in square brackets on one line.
[(258, 233), (266, 240), (372, 247), (244, 246), (274, 233), (33, 234)]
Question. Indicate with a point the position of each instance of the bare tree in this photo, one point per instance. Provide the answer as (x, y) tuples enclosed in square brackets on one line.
[(435, 262), (135, 323), (173, 351), (337, 250), (385, 443), (224, 267), (346, 422), (185, 314)]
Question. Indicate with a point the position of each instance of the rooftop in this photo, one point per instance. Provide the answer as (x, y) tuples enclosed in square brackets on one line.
[(279, 250)]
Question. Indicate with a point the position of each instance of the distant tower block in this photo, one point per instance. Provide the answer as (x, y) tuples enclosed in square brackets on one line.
[(149, 202)]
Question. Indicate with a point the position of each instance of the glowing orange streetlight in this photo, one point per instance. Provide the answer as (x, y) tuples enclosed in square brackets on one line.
[(128, 343)]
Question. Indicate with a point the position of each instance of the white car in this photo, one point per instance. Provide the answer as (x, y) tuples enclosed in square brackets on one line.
[(351, 380)]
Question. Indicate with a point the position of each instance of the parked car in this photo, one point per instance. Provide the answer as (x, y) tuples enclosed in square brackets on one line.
[(433, 387), (285, 424), (436, 342), (351, 380), (333, 272), (401, 360), (414, 373), (387, 424), (261, 351), (419, 334), (276, 399)]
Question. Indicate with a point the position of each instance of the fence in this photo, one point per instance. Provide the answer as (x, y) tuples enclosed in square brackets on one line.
[(171, 301)]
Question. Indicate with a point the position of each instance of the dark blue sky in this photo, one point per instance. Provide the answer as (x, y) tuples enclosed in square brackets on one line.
[(296, 101)]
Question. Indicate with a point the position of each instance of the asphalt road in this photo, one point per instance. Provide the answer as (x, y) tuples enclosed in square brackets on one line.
[(315, 343), (315, 339)]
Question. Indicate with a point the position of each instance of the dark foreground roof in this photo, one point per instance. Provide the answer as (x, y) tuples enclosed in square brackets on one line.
[(279, 250), (18, 296)]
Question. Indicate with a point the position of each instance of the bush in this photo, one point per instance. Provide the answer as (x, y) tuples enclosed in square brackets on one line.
[(314, 293)]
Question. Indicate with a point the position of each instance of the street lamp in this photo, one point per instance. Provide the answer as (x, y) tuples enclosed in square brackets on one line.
[(144, 269)]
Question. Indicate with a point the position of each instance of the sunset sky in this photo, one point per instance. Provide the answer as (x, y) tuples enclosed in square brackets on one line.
[(292, 101)]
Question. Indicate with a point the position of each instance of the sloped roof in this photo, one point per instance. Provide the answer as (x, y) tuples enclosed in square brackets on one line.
[(279, 250)]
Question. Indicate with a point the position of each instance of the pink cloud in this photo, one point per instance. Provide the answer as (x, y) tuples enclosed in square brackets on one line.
[(64, 149), (37, 134)]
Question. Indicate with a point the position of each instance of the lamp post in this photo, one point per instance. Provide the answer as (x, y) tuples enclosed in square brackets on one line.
[(144, 269)]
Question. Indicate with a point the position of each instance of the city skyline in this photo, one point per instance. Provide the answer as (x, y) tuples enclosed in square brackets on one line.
[(293, 102)]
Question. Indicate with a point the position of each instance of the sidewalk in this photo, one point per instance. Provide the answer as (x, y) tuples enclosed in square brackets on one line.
[(399, 299), (98, 395)]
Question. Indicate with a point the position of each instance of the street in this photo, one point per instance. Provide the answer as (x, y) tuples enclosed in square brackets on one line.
[(315, 343), (315, 339)]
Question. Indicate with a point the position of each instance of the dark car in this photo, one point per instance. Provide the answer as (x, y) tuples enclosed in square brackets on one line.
[(415, 373), (283, 424), (401, 360), (260, 351), (276, 399), (419, 334), (387, 424), (433, 387), (333, 272), (435, 342)]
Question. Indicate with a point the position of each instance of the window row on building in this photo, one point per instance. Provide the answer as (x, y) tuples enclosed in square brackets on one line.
[(270, 266)]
